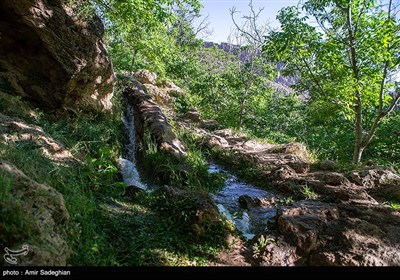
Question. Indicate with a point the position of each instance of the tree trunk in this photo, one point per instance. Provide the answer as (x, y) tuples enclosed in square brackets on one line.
[(242, 107), (358, 151), (358, 143)]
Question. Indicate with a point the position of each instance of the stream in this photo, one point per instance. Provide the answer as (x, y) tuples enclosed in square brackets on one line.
[(248, 221)]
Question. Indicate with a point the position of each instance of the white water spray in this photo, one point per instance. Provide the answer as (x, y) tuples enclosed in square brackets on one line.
[(128, 169)]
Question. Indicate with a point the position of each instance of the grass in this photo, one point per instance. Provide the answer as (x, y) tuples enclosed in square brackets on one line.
[(190, 172), (246, 169), (107, 227), (307, 193)]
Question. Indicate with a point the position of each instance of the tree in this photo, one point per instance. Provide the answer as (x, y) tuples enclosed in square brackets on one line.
[(139, 28), (347, 61), (250, 36)]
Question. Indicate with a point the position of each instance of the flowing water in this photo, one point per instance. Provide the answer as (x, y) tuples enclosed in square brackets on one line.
[(128, 169), (248, 221)]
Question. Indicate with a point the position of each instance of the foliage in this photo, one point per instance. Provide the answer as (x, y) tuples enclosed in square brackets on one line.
[(347, 65), (138, 32), (308, 193), (189, 172), (260, 246)]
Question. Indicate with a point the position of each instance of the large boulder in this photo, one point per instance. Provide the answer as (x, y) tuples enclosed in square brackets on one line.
[(52, 57), (318, 233), (44, 220)]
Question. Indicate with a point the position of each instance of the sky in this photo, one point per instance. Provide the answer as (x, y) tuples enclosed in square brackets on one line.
[(220, 18)]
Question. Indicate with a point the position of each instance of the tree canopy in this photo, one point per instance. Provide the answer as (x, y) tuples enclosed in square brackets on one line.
[(348, 62)]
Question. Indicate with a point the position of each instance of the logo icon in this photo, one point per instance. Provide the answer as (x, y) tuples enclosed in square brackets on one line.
[(10, 255)]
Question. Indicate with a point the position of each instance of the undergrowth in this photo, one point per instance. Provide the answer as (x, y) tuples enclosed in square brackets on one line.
[(108, 226)]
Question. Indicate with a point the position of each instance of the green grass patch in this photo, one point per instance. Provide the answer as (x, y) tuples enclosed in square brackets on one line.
[(147, 229)]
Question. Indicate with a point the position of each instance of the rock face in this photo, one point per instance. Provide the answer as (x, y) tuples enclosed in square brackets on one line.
[(47, 219), (150, 114), (53, 58), (161, 92)]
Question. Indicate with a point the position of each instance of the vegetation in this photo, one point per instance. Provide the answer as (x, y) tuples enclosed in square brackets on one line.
[(344, 106), (347, 65), (109, 225)]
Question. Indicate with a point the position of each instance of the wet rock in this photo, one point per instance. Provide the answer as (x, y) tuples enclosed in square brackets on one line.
[(50, 56), (193, 115), (47, 219), (248, 202), (146, 77), (328, 165)]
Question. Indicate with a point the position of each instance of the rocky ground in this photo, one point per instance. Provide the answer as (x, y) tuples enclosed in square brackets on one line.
[(344, 222), (343, 225)]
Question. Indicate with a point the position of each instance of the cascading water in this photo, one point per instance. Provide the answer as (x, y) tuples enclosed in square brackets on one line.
[(128, 169), (248, 221)]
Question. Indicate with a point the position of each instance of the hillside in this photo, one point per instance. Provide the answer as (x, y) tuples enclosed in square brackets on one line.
[(126, 141)]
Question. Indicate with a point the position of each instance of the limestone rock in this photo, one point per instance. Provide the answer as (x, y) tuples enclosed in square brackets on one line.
[(146, 77), (151, 115), (375, 177), (303, 222), (47, 217), (53, 58)]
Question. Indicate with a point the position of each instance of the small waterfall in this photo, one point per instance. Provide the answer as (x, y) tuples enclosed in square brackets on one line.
[(127, 164)]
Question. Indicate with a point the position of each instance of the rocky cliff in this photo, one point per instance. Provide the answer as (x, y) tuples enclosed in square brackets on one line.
[(52, 57)]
